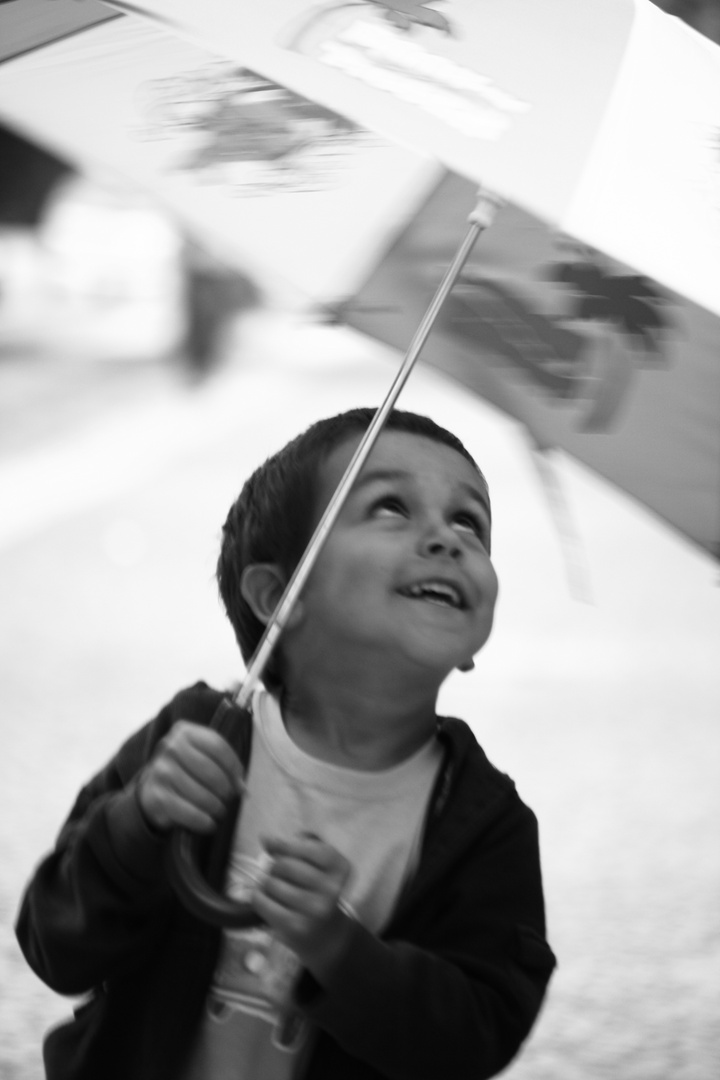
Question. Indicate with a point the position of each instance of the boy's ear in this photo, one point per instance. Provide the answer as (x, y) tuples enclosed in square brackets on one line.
[(262, 585)]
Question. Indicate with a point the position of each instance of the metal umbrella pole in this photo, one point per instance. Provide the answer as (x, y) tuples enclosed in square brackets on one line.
[(185, 876)]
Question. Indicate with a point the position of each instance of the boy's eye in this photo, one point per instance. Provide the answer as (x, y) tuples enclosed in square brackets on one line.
[(389, 505), (470, 523)]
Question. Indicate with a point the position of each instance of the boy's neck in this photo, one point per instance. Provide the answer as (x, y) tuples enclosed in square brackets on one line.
[(362, 728)]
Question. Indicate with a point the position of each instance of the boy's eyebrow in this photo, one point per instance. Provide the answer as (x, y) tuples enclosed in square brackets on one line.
[(375, 475)]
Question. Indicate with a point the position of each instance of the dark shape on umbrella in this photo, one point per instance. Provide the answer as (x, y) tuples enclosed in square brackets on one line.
[(403, 13), (628, 300), (246, 126), (237, 116), (496, 317)]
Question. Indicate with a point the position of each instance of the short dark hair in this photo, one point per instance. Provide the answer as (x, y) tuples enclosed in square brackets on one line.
[(272, 519)]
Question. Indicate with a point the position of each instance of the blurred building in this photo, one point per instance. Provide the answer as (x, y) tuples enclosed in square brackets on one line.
[(101, 270), (28, 175)]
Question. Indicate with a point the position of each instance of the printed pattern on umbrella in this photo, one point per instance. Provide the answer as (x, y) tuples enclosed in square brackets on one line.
[(238, 130), (372, 41), (404, 14), (611, 322)]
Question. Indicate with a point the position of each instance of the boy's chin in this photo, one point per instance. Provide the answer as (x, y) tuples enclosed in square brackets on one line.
[(444, 657), (435, 664), (442, 646)]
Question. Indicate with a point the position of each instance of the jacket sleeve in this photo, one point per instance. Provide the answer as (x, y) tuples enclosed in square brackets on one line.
[(96, 907), (454, 985)]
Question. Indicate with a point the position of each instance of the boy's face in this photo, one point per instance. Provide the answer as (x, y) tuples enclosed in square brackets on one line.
[(405, 574)]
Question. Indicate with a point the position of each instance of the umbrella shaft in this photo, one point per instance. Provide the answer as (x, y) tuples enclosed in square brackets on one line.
[(280, 616)]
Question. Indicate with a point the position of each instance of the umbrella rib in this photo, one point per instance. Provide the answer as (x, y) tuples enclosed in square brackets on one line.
[(480, 219)]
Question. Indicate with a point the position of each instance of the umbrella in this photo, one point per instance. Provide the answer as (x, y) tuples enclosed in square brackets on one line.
[(565, 107), (590, 311), (256, 173), (565, 110), (591, 356)]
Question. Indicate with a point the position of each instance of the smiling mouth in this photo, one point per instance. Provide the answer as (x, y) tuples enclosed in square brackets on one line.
[(436, 592)]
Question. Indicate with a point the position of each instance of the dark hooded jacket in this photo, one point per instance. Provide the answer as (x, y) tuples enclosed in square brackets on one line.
[(448, 991)]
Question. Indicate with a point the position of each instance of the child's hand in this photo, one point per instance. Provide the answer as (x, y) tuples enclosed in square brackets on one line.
[(190, 781), (299, 899)]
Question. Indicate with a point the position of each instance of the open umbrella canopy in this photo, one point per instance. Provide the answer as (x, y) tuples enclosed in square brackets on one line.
[(257, 173), (590, 356), (599, 116), (599, 122), (590, 310)]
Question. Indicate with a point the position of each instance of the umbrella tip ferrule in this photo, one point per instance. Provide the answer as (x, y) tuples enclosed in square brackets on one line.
[(485, 209)]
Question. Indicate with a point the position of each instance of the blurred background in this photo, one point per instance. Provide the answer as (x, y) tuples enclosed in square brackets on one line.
[(140, 382)]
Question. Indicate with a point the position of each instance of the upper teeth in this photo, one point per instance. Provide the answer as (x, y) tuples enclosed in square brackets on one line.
[(437, 590)]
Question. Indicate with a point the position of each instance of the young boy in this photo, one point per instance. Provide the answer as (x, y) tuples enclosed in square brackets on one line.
[(394, 871)]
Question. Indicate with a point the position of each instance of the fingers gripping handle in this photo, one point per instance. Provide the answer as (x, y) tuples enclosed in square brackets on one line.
[(183, 862), (193, 891)]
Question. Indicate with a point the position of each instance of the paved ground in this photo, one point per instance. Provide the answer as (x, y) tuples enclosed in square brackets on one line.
[(113, 487)]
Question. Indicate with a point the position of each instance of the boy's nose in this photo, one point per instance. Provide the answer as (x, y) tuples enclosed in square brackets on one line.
[(440, 539)]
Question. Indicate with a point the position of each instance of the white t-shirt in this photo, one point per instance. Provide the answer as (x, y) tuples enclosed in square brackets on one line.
[(250, 1029)]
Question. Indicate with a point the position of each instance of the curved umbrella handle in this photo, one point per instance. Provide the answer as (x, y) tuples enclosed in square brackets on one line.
[(192, 889), (183, 865)]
